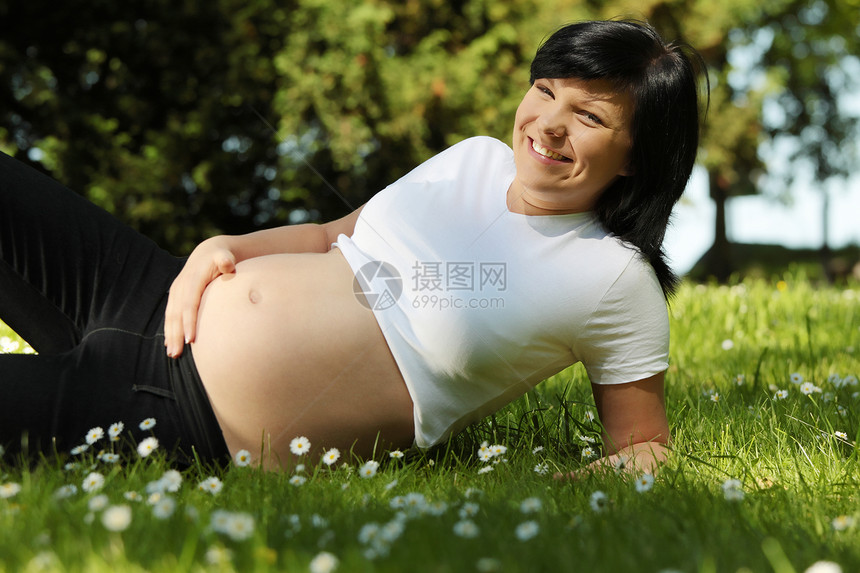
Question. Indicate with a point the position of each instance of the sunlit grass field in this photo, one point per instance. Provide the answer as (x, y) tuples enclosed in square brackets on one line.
[(764, 405)]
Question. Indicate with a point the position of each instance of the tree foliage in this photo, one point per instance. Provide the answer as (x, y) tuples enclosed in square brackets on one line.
[(188, 118)]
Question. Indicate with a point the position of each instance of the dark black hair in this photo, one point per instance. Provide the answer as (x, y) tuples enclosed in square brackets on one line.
[(663, 81)]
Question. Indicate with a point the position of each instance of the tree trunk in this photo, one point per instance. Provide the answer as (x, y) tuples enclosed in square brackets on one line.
[(826, 264), (718, 260)]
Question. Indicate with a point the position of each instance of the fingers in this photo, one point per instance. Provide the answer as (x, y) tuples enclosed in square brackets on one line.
[(227, 263), (173, 335), (186, 292)]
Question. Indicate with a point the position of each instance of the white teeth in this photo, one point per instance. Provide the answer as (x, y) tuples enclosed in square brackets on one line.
[(546, 152)]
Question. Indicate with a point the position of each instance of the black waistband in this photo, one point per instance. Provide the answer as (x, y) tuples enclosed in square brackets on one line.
[(198, 418)]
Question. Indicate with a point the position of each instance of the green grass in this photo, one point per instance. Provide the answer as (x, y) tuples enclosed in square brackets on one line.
[(797, 475)]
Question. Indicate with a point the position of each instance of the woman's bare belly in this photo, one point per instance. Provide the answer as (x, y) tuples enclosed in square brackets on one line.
[(285, 349)]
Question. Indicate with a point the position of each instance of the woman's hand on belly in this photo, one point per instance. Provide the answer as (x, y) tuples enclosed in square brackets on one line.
[(284, 348), (211, 259)]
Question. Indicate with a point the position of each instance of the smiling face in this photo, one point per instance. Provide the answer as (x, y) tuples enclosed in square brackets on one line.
[(571, 141)]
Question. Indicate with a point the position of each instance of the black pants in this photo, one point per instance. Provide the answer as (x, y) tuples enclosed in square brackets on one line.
[(88, 293)]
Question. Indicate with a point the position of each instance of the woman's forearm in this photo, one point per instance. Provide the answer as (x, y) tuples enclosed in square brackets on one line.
[(305, 238)]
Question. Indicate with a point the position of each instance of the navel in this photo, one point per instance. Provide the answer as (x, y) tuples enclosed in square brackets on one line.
[(254, 296)]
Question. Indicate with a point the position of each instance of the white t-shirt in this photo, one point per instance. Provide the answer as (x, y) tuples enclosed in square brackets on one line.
[(479, 304)]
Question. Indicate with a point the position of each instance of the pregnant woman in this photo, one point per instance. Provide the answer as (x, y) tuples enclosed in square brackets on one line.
[(500, 265)]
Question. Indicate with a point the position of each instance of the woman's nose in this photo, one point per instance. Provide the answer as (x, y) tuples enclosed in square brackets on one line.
[(552, 123)]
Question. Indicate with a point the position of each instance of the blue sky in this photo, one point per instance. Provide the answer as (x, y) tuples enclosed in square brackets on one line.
[(764, 220)]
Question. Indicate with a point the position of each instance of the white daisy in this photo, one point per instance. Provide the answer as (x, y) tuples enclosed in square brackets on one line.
[(391, 485), (620, 463), (300, 446), (808, 388), (644, 483), (368, 533), (171, 481), (10, 489), (498, 450), (116, 517), (727, 344), (531, 505), (414, 503), (115, 430), (368, 470), (324, 562), (147, 424), (298, 480), (211, 484), (219, 520), (796, 378), (466, 529), (78, 450), (218, 555), (733, 490), (318, 521), (396, 454), (485, 469), (242, 458), (824, 567), (147, 446), (93, 482), (66, 491), (840, 435), (240, 526), (488, 565), (537, 449), (94, 435), (527, 530), (98, 502), (132, 496), (842, 522), (598, 501), (437, 508), (469, 509), (109, 458), (542, 468), (164, 507), (331, 456), (780, 395)]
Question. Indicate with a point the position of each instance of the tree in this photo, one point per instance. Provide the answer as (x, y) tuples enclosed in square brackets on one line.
[(144, 108), (813, 45), (776, 73), (191, 118)]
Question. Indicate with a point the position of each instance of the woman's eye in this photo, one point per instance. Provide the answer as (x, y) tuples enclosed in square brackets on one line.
[(592, 118), (545, 90)]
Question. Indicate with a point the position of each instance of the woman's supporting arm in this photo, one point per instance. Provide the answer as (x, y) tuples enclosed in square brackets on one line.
[(635, 428), (219, 255)]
